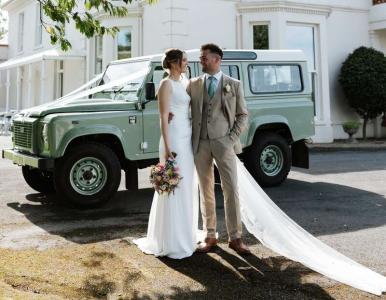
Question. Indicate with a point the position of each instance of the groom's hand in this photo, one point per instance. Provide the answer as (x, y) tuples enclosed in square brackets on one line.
[(171, 115)]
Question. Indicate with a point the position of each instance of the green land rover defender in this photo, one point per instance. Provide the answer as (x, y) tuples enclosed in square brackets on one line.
[(77, 146)]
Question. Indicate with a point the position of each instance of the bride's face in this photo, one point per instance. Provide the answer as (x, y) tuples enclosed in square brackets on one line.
[(184, 63)]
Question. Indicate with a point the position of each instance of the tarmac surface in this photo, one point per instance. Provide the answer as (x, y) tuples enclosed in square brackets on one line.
[(340, 199)]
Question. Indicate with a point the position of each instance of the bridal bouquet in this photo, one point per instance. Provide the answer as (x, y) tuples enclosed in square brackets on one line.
[(165, 177)]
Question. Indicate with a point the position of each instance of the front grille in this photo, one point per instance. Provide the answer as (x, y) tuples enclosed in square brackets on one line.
[(22, 134)]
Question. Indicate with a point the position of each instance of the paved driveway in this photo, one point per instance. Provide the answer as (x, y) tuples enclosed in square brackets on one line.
[(340, 199)]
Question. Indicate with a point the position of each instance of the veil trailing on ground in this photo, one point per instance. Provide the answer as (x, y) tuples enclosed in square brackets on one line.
[(275, 230)]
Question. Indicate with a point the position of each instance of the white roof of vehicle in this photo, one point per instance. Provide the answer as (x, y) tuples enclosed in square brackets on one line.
[(261, 55)]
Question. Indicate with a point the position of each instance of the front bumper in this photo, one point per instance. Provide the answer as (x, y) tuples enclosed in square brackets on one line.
[(22, 159)]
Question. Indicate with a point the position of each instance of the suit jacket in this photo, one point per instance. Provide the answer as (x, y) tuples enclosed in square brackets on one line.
[(232, 105)]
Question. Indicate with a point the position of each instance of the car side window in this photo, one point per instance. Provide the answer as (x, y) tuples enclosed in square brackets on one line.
[(159, 73), (231, 70), (275, 78)]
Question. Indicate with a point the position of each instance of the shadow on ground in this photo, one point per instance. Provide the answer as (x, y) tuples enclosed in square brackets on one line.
[(231, 277), (320, 208), (324, 208)]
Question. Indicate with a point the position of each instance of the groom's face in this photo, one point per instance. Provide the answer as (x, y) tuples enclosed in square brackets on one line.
[(210, 62)]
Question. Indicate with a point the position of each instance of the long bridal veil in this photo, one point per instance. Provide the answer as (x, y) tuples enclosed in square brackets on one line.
[(275, 230)]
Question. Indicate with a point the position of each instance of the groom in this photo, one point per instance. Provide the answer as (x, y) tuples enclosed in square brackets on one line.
[(219, 115)]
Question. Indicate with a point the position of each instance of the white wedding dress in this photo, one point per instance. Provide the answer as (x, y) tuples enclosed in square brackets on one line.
[(173, 222), (173, 219)]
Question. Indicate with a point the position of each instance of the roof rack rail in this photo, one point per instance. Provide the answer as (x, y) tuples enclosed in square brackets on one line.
[(239, 55)]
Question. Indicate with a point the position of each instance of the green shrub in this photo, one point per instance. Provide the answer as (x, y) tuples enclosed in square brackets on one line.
[(351, 125), (363, 79)]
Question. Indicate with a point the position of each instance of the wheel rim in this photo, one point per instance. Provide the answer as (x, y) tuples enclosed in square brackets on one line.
[(88, 176), (271, 160)]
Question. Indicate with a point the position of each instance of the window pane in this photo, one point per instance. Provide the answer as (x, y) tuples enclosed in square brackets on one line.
[(98, 54), (260, 37), (225, 70), (302, 37), (124, 43), (159, 73), (232, 71), (275, 78)]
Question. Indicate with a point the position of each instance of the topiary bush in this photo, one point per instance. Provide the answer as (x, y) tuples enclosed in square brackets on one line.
[(363, 79)]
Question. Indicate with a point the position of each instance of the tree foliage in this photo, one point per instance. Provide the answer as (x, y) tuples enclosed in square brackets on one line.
[(363, 79), (62, 12)]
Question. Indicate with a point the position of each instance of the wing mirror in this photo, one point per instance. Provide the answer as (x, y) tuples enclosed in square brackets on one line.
[(149, 91)]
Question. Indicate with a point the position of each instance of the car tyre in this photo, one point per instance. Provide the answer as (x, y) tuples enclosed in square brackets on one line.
[(88, 175), (268, 159)]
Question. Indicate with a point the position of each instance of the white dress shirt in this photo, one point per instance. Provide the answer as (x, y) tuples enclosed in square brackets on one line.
[(217, 77)]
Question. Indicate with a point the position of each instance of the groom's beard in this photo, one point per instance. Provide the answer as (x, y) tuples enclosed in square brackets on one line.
[(204, 69)]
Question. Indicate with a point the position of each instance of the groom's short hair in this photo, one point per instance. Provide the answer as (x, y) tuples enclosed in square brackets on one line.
[(213, 48)]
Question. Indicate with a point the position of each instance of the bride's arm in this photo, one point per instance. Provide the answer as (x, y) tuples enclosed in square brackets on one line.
[(164, 93)]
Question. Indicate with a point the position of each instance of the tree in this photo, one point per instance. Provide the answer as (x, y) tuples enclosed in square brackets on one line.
[(363, 79), (62, 12)]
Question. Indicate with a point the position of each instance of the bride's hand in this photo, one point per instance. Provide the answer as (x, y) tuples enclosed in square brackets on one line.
[(168, 154)]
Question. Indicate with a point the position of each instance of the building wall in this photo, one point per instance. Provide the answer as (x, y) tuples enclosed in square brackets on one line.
[(188, 24), (340, 26)]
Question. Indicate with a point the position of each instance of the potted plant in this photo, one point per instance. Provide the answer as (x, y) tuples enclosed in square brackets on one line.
[(351, 128)]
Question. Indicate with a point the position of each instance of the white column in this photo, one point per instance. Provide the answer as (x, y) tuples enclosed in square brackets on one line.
[(29, 86), (140, 36), (18, 81), (7, 84), (239, 31), (42, 81), (375, 43)]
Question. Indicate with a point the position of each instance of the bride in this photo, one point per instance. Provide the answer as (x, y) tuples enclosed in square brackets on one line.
[(173, 221)]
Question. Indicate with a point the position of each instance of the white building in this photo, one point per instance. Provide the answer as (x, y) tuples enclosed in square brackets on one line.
[(327, 30)]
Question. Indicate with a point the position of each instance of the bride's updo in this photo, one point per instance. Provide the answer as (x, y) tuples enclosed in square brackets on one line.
[(172, 55)]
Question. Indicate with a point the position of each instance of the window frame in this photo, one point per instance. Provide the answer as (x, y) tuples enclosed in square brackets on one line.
[(268, 24), (38, 42), (276, 64)]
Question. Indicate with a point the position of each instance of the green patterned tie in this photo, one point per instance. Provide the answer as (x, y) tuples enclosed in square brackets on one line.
[(211, 87)]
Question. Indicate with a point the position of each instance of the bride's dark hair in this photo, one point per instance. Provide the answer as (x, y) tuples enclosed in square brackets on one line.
[(172, 55)]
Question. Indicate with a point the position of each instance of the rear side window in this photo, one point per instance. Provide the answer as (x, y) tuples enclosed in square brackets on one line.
[(231, 70), (275, 78)]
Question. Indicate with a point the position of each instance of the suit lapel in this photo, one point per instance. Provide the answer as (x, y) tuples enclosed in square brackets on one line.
[(225, 81), (224, 96), (200, 94)]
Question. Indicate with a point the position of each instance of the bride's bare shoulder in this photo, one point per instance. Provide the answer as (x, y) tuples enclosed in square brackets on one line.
[(165, 83)]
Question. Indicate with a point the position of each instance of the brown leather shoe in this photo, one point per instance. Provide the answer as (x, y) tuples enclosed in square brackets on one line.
[(239, 247), (208, 245)]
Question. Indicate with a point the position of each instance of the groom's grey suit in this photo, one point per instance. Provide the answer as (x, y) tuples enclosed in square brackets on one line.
[(217, 123)]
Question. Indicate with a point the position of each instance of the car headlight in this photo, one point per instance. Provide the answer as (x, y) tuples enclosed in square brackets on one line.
[(45, 133)]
